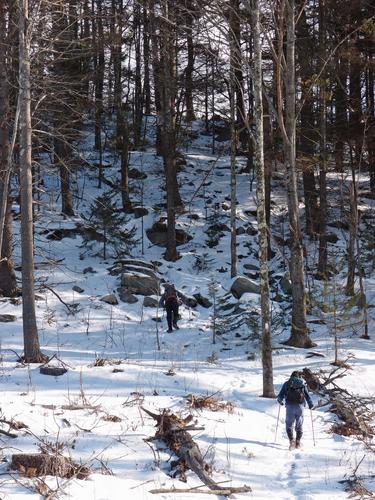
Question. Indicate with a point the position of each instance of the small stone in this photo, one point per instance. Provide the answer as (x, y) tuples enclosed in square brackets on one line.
[(109, 299)]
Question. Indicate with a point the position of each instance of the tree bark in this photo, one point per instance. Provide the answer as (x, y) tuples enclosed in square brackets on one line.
[(299, 332), (168, 84), (268, 390), (30, 331), (322, 262), (233, 143), (8, 284)]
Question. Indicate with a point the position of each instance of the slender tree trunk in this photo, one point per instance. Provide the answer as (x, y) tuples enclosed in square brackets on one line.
[(233, 129), (299, 332), (168, 122), (8, 284), (138, 93), (190, 115), (146, 59), (268, 390), (322, 263), (30, 331), (307, 138)]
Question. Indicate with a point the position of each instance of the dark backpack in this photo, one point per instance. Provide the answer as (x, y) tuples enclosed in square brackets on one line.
[(295, 391), (170, 293)]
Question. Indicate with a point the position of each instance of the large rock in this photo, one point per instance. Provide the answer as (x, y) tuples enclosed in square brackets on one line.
[(244, 285), (126, 296), (140, 284), (157, 234), (134, 173), (150, 302), (202, 301), (110, 299), (286, 284), (188, 301)]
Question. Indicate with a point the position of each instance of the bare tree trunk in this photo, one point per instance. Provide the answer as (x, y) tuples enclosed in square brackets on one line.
[(8, 284), (322, 263), (268, 390), (307, 136), (299, 332), (233, 133), (138, 94), (146, 59), (99, 61), (30, 331), (190, 115), (168, 122)]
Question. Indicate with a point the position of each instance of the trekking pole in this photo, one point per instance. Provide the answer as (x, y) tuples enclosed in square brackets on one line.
[(277, 423), (312, 427)]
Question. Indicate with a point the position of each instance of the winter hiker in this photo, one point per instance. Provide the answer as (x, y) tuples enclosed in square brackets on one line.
[(170, 301), (294, 391)]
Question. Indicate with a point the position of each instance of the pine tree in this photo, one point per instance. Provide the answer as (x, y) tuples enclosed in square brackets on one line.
[(107, 225)]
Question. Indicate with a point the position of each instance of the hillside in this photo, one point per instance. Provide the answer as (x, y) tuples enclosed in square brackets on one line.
[(119, 357)]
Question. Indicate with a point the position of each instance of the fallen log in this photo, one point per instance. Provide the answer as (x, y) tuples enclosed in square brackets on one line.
[(172, 430), (43, 464)]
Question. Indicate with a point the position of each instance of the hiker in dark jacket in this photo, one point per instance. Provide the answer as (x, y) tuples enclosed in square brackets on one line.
[(170, 301), (294, 391)]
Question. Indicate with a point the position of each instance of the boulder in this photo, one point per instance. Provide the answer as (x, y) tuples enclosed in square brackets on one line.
[(244, 285), (134, 173), (140, 212), (150, 302), (60, 233), (77, 289), (286, 284), (140, 284), (89, 270), (109, 299), (157, 234), (188, 301), (202, 301), (240, 230), (126, 296)]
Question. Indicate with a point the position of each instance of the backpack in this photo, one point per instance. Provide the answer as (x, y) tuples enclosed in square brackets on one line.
[(295, 391), (170, 293)]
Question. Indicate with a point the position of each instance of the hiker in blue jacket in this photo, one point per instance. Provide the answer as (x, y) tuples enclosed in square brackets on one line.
[(294, 391)]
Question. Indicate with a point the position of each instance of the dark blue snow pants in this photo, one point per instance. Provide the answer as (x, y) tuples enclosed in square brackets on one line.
[(294, 415)]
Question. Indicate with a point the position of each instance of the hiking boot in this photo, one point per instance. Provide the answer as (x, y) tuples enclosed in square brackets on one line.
[(292, 444), (169, 330), (176, 327), (298, 439)]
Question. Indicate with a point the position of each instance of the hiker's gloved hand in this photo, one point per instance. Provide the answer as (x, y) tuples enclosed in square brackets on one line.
[(311, 407), (280, 402)]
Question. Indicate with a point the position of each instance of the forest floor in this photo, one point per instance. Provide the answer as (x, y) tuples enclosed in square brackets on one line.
[(93, 412)]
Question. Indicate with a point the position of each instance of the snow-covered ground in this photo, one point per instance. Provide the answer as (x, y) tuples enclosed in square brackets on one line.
[(93, 413)]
